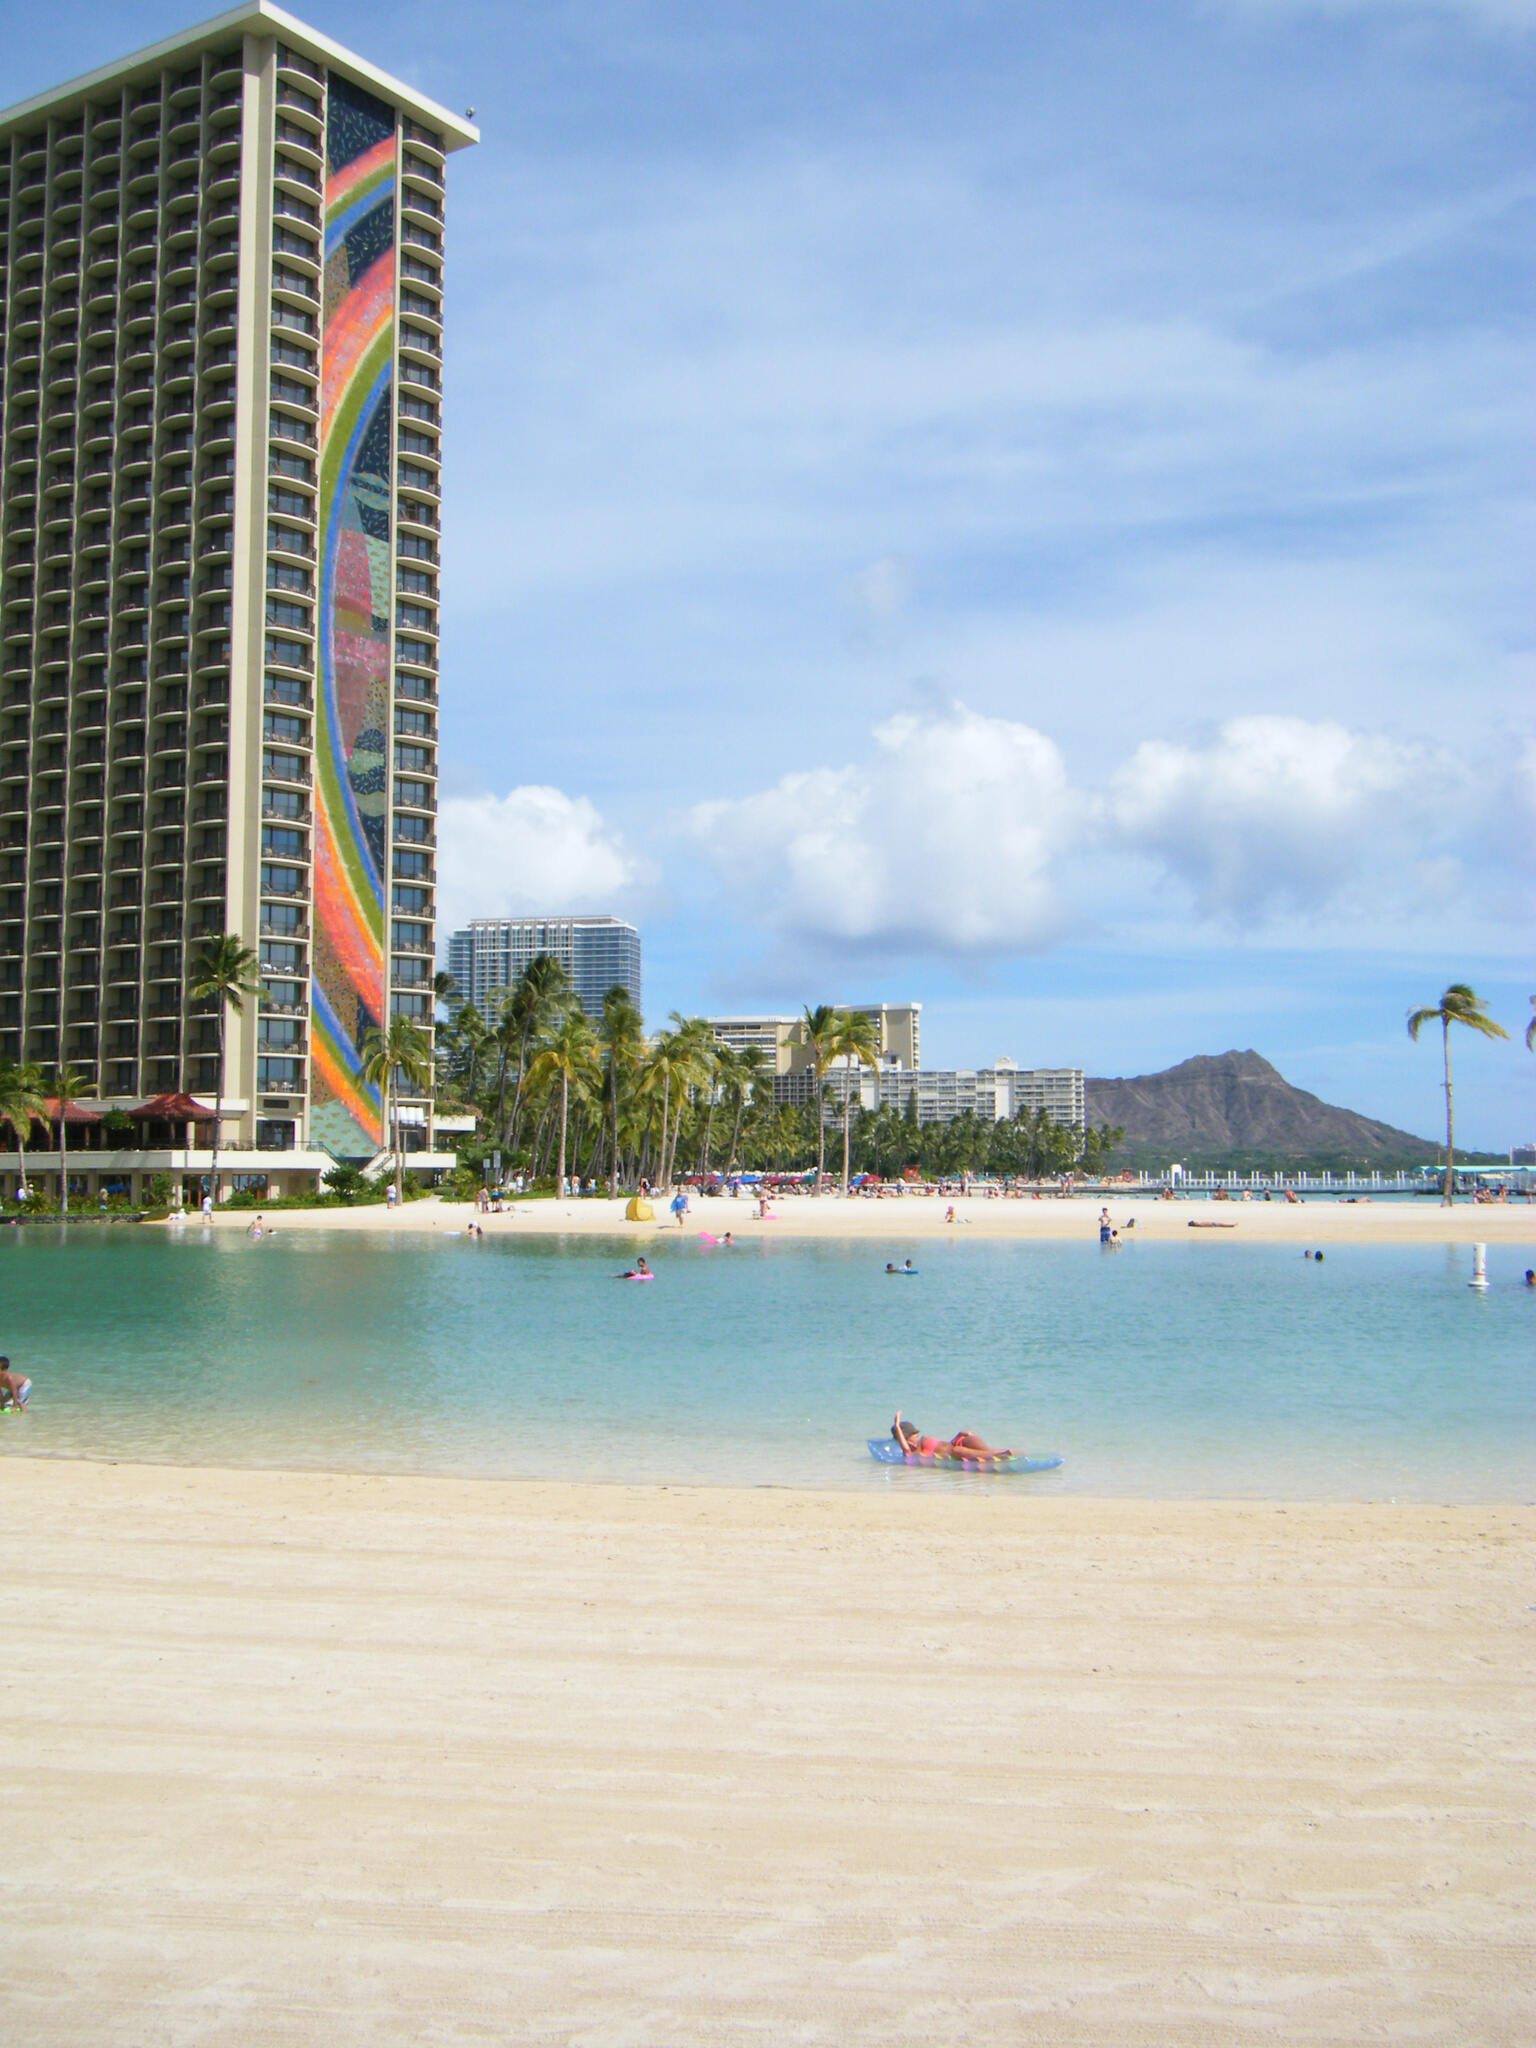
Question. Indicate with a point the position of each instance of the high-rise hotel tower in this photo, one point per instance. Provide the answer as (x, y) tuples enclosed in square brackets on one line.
[(221, 289)]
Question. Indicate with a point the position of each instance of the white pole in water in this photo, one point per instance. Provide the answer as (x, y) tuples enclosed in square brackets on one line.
[(1479, 1266)]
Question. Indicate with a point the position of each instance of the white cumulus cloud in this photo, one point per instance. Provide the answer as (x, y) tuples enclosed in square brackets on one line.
[(533, 850), (943, 839), (959, 833), (1277, 814)]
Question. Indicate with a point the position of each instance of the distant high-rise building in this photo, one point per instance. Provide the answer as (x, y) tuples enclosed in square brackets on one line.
[(781, 1040), (221, 282), (598, 953)]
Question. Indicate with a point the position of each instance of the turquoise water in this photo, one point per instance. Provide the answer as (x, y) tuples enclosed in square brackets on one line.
[(1199, 1369)]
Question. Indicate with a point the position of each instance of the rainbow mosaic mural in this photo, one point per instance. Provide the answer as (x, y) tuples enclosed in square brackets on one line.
[(349, 986)]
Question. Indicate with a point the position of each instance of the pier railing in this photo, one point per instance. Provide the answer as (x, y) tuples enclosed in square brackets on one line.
[(1404, 1182)]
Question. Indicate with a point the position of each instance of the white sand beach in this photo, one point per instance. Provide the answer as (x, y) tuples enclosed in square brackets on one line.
[(1318, 1219), (358, 1762)]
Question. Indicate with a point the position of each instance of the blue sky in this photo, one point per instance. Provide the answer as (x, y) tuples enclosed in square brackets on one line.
[(1023, 507)]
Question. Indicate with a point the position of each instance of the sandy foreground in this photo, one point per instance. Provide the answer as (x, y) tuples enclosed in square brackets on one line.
[(336, 1760), (1320, 1219)]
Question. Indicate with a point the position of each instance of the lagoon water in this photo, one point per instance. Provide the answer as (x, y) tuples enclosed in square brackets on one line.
[(1174, 1370)]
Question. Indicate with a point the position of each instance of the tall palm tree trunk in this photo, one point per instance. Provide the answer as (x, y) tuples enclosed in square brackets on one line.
[(613, 1099), (847, 1117), (741, 1110), (1448, 1192), (677, 1134), (393, 1099), (63, 1165), (709, 1125), (501, 1087), (517, 1092), (661, 1156), (564, 1107), (218, 1113), (821, 1133)]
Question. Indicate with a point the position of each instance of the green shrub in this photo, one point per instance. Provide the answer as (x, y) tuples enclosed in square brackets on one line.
[(160, 1191)]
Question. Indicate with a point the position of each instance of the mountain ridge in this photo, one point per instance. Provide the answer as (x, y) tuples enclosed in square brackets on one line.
[(1224, 1107)]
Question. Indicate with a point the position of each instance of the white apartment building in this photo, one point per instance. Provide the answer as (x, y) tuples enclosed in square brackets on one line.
[(940, 1094)]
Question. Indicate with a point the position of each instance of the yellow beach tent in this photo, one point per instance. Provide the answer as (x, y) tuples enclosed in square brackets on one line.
[(639, 1211)]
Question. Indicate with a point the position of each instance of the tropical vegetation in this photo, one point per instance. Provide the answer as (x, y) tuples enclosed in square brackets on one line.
[(560, 1096), (397, 1060)]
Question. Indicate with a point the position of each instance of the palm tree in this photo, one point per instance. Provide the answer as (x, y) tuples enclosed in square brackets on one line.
[(224, 973), (68, 1087), (461, 1045), (668, 1068), (1458, 1005), (740, 1072), (853, 1039), (621, 1037), (816, 1029), (22, 1103), (445, 990), (543, 992), (21, 1099), (1530, 1029), (703, 1056), (570, 1054), (399, 1052)]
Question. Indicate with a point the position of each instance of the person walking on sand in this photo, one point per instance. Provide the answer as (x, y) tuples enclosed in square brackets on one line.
[(680, 1207), (14, 1387)]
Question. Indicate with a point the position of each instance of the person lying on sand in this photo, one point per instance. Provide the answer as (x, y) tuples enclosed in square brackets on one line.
[(965, 1443)]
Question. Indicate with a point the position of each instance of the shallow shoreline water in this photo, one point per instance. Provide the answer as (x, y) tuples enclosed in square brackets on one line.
[(1159, 1370)]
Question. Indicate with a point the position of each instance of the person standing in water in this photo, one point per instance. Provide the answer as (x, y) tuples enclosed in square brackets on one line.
[(14, 1387)]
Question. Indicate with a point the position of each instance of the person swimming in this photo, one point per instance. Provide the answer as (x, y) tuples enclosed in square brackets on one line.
[(638, 1271)]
